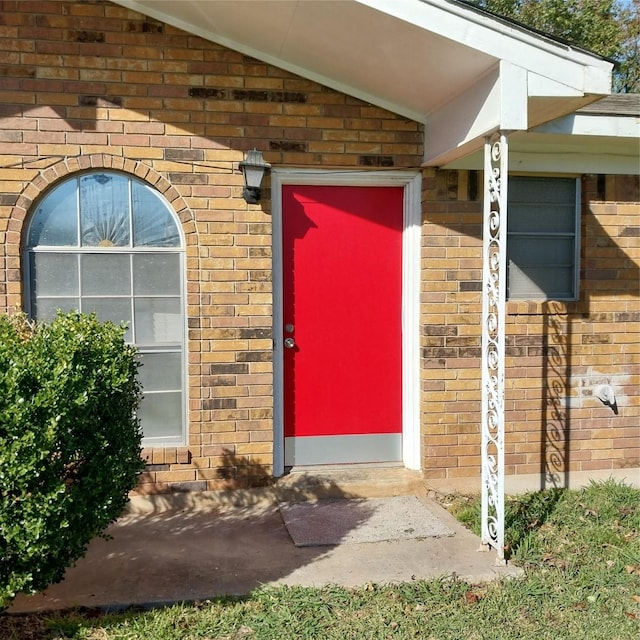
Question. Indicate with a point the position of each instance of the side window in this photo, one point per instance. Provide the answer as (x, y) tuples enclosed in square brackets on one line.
[(108, 243), (543, 238)]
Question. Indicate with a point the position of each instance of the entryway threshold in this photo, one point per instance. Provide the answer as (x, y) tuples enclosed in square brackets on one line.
[(380, 480), (372, 480)]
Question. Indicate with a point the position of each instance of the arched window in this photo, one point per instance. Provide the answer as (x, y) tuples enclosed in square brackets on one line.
[(107, 242)]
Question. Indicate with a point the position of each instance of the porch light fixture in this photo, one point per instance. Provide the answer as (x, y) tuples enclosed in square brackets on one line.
[(253, 169)]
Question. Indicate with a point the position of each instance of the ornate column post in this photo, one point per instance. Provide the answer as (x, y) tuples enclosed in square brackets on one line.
[(494, 240)]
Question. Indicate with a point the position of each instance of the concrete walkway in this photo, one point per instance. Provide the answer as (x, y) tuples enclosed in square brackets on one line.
[(193, 548)]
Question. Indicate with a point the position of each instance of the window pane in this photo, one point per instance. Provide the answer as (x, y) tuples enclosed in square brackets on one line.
[(116, 310), (540, 282), (106, 274), (544, 205), (45, 309), (542, 191), (153, 223), (161, 415), (543, 251), (156, 273), (55, 222), (160, 371), (104, 210), (542, 219), (54, 274), (158, 320)]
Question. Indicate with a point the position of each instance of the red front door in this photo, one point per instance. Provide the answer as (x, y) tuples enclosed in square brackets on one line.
[(342, 306)]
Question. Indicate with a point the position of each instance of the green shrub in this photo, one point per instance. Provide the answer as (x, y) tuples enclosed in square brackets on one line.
[(69, 443)]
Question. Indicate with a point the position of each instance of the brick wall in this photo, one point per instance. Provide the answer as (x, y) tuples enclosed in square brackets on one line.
[(92, 85), (557, 354), (450, 325)]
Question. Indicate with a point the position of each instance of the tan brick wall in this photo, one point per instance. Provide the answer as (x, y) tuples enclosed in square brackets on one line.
[(558, 354), (450, 325), (90, 84)]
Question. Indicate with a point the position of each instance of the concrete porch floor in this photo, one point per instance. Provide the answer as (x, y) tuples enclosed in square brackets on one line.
[(189, 547)]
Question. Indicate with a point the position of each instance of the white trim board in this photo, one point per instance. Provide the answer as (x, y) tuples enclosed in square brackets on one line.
[(412, 218)]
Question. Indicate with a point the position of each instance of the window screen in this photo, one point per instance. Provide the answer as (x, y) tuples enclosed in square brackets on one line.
[(108, 243), (542, 241)]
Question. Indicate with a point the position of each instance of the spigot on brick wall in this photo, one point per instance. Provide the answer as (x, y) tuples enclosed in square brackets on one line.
[(606, 395)]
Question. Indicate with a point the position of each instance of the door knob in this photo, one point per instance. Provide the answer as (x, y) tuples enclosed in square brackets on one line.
[(289, 343)]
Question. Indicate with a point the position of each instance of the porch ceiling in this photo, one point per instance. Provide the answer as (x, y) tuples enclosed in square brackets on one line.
[(428, 60)]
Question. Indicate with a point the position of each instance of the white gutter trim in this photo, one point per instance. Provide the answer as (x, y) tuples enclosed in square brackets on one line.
[(596, 75), (576, 163), (582, 124), (489, 22)]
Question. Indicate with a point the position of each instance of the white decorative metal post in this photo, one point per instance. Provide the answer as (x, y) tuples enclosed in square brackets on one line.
[(493, 334)]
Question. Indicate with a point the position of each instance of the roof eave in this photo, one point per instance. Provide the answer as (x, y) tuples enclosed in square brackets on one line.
[(462, 72)]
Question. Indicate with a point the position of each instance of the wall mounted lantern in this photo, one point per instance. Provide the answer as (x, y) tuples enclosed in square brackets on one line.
[(253, 169)]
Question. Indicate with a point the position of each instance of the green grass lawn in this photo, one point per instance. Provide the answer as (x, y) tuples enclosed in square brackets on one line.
[(580, 551)]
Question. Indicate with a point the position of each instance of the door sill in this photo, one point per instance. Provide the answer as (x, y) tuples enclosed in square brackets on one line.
[(369, 480), (351, 467)]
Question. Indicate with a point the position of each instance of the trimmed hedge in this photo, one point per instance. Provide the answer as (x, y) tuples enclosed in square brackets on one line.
[(69, 443)]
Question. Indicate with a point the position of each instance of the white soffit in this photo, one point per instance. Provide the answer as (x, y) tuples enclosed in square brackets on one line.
[(342, 44), (577, 143), (440, 62)]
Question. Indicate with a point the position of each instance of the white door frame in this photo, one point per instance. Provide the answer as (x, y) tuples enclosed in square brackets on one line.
[(412, 219)]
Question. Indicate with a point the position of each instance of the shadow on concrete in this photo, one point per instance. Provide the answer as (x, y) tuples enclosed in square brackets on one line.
[(192, 546)]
